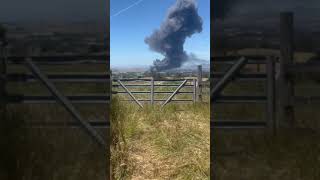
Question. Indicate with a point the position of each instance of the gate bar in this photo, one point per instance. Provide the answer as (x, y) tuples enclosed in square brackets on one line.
[(131, 95), (227, 124), (228, 77), (174, 93)]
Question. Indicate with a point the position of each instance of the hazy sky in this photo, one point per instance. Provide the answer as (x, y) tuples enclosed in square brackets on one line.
[(53, 10), (132, 25)]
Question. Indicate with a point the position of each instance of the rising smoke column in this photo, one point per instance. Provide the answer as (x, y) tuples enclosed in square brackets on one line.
[(182, 21)]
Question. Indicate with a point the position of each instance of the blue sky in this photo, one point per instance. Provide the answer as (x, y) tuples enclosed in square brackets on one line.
[(130, 27)]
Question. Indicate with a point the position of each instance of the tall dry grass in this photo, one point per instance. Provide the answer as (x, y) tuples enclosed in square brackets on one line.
[(155, 143)]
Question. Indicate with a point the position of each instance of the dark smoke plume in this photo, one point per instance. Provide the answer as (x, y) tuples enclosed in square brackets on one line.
[(182, 21)]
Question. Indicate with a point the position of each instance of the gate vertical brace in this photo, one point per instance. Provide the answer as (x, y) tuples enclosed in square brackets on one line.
[(152, 91), (199, 84), (286, 114), (271, 101), (194, 97)]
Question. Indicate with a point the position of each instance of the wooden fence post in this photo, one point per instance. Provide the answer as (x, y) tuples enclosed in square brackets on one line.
[(152, 91), (271, 101), (199, 84), (286, 91)]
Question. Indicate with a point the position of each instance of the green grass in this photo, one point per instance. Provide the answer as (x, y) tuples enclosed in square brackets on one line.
[(154, 143)]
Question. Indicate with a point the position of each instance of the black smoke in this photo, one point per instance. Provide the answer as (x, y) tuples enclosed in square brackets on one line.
[(182, 21)]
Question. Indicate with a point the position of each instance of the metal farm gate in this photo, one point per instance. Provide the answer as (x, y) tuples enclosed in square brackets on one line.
[(51, 71), (57, 97), (188, 86), (235, 73), (278, 75), (150, 84)]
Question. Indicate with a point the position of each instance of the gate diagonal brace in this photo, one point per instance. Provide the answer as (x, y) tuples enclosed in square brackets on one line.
[(230, 74), (174, 93), (131, 95), (65, 102)]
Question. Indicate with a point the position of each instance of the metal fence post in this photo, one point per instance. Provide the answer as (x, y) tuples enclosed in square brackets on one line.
[(286, 91), (199, 84), (152, 91)]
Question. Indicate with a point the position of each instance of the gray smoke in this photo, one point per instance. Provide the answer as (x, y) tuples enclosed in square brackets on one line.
[(182, 21)]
